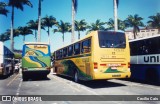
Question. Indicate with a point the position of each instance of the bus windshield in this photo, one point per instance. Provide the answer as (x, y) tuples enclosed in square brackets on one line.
[(112, 40), (36, 50)]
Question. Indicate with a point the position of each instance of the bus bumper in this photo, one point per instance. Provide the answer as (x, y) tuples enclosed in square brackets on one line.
[(111, 75), (35, 72)]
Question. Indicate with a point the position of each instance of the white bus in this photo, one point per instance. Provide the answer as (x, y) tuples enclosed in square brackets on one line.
[(145, 58), (6, 61)]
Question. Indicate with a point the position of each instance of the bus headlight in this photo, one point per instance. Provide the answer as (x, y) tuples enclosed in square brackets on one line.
[(24, 69)]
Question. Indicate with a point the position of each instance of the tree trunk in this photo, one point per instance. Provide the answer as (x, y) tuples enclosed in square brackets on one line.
[(35, 36), (23, 38), (63, 39), (78, 34), (134, 33), (48, 36), (39, 21), (73, 26), (115, 16), (12, 26)]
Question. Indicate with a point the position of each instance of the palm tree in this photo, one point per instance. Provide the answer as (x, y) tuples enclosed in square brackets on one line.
[(15, 32), (48, 22), (74, 10), (34, 26), (155, 21), (116, 3), (110, 23), (134, 21), (96, 26), (80, 26), (4, 37), (24, 31), (3, 10), (19, 5), (63, 27)]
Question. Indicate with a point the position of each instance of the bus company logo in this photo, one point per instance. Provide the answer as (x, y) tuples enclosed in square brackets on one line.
[(151, 59), (6, 98)]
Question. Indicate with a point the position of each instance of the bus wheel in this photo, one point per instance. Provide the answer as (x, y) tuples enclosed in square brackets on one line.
[(24, 77), (76, 77)]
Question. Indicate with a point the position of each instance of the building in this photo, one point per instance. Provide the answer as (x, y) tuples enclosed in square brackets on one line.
[(142, 33)]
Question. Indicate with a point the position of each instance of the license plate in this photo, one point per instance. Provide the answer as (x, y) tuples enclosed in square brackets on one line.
[(113, 68), (117, 75)]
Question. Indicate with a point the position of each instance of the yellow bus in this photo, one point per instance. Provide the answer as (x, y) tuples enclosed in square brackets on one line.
[(100, 55)]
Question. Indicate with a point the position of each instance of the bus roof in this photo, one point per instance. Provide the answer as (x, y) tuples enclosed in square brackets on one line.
[(158, 35), (36, 43)]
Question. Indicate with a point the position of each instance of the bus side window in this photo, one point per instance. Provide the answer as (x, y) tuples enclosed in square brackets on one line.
[(70, 50), (61, 52), (77, 48), (65, 52), (57, 54), (86, 46)]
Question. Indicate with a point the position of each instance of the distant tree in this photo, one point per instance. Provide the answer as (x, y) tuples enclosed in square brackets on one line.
[(17, 56), (15, 32), (134, 21), (63, 27), (19, 5), (98, 25), (80, 26), (34, 26), (110, 23), (155, 21), (49, 21), (3, 10), (24, 31), (4, 37)]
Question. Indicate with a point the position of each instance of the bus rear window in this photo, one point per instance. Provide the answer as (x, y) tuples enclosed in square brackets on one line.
[(112, 40)]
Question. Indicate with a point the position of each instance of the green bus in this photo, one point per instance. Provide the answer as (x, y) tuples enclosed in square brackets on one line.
[(36, 60)]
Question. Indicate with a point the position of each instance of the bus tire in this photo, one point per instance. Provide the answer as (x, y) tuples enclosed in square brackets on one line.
[(24, 77), (76, 77)]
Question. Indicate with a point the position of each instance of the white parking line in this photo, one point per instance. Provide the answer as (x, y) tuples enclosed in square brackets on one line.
[(128, 83), (63, 81)]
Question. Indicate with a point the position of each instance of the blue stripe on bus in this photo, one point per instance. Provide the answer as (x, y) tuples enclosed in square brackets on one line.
[(37, 60)]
